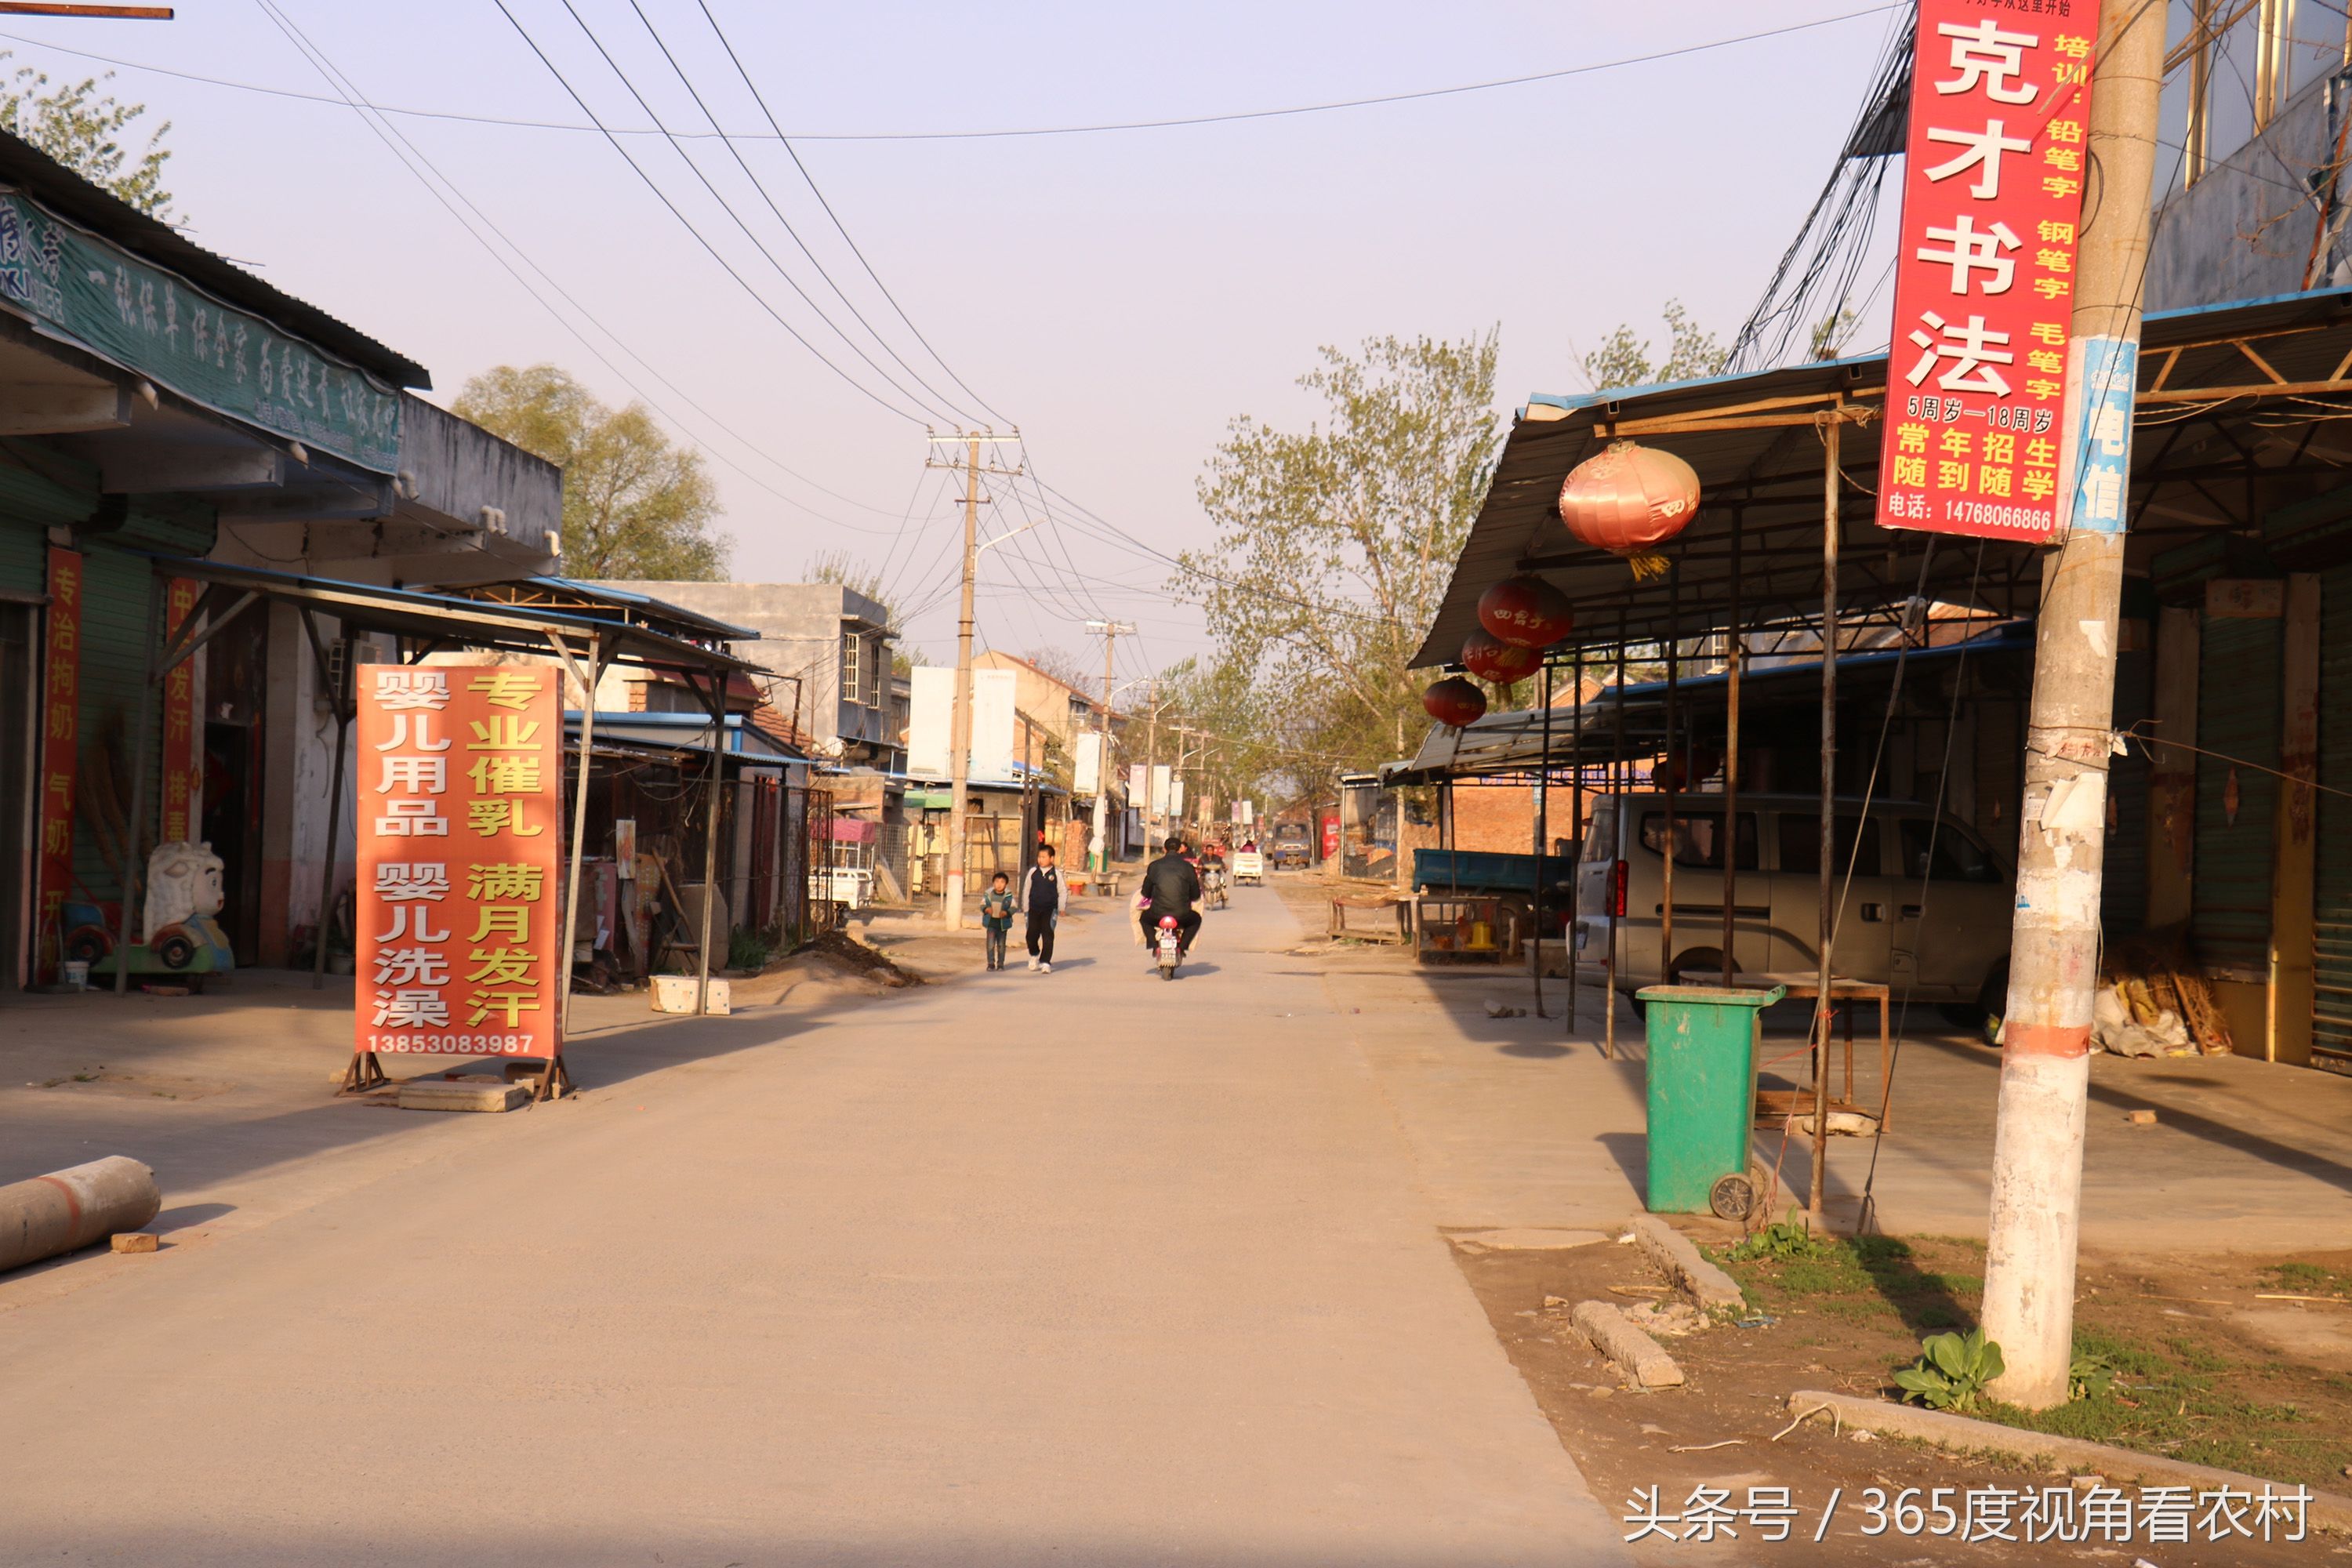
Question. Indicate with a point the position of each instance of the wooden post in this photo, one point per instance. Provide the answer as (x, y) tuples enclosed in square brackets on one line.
[(1735, 655), (2172, 768), (2292, 825), (1830, 479), (1672, 842)]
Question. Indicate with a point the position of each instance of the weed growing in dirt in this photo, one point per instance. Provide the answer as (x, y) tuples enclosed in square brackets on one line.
[(1951, 1371)]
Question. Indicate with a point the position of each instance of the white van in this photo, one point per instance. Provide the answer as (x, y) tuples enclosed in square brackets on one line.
[(1928, 911)]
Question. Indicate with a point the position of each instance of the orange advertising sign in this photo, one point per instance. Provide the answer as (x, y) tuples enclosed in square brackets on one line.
[(183, 774), (459, 787)]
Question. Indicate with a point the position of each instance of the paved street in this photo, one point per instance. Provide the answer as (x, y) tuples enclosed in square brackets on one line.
[(1081, 1267)]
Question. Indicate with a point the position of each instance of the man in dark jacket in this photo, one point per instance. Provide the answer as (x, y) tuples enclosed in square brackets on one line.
[(1172, 888)]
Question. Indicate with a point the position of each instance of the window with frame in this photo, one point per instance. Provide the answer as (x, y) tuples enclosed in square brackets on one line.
[(2230, 69), (852, 648)]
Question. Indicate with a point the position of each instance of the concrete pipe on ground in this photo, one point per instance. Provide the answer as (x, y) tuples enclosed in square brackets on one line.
[(67, 1210)]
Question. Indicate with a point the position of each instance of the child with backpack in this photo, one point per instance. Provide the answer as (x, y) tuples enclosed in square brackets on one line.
[(996, 916)]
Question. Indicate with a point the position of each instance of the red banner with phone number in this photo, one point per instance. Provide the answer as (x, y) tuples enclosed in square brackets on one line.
[(1984, 282)]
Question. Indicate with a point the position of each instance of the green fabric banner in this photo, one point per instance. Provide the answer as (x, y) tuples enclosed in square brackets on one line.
[(80, 288)]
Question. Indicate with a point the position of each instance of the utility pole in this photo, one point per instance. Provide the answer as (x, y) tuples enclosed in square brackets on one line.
[(1152, 832), (2037, 1172), (1110, 631), (960, 721)]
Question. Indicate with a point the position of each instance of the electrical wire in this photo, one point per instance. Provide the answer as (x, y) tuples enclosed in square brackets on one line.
[(415, 161), (664, 197), (1183, 121), (694, 93), (761, 99)]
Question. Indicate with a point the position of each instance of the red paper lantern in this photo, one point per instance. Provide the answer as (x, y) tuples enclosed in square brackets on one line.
[(1526, 612), (1628, 501), (1491, 658), (1454, 701), (1692, 767)]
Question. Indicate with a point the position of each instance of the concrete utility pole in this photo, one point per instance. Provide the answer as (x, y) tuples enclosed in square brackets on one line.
[(1152, 832), (1110, 631), (2037, 1173), (960, 721)]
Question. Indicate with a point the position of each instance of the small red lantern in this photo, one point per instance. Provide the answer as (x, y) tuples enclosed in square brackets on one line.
[(1686, 768), (1526, 612), (1489, 658), (1628, 501), (1454, 701)]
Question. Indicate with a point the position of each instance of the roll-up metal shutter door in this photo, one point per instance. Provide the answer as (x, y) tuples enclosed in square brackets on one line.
[(2238, 718), (2123, 892), (115, 632), (2331, 1022)]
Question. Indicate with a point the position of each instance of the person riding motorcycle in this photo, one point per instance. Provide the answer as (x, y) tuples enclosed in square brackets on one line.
[(1170, 887)]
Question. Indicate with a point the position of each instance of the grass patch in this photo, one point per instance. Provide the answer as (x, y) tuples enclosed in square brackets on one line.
[(2306, 1279), (2179, 1387)]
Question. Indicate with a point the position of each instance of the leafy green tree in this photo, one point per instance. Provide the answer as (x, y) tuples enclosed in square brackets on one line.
[(635, 505), (1333, 545), (1623, 357), (83, 128)]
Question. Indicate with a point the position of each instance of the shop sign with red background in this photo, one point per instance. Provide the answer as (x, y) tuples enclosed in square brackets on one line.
[(60, 739), (1984, 282), (183, 774), (458, 821)]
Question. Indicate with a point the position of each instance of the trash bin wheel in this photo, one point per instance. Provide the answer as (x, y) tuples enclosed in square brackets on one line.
[(1733, 1196)]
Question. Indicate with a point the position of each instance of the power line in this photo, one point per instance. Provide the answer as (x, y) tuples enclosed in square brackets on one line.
[(410, 157), (728, 207), (663, 196), (1176, 122), (810, 180)]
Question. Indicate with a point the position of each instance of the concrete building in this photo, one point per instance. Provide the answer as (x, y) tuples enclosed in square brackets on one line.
[(166, 404), (2252, 176), (828, 648)]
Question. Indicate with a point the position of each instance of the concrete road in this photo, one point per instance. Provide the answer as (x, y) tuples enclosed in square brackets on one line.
[(1080, 1267)]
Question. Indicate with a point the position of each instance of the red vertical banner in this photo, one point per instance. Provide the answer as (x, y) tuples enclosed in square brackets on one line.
[(60, 740), (182, 774), (1984, 280), (459, 822)]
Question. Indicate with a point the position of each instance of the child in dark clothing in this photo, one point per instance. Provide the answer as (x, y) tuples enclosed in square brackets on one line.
[(996, 916)]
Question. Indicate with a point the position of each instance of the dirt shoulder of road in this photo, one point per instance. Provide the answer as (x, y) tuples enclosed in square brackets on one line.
[(2192, 1379)]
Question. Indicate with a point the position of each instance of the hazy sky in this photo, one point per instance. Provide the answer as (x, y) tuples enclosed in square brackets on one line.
[(1120, 295)]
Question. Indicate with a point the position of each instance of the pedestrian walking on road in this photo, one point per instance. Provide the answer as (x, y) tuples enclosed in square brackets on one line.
[(1041, 895), (996, 916)]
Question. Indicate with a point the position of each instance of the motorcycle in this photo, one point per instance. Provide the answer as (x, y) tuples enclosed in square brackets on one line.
[(1171, 945), (1213, 885)]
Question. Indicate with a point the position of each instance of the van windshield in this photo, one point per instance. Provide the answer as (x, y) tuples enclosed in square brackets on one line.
[(1943, 853), (1699, 839)]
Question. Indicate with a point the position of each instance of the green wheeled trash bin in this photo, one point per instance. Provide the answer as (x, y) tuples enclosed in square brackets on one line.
[(1702, 1079)]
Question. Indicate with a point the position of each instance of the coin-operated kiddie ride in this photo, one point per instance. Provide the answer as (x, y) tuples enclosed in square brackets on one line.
[(183, 940)]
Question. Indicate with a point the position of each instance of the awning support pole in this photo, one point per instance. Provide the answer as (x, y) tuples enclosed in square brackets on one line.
[(1576, 825), (334, 804), (1672, 846), (558, 1077), (1543, 824), (1736, 652), (1821, 1006), (1617, 826), (717, 701), (136, 829)]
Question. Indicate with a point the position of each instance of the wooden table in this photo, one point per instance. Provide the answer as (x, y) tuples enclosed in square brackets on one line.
[(1844, 994)]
